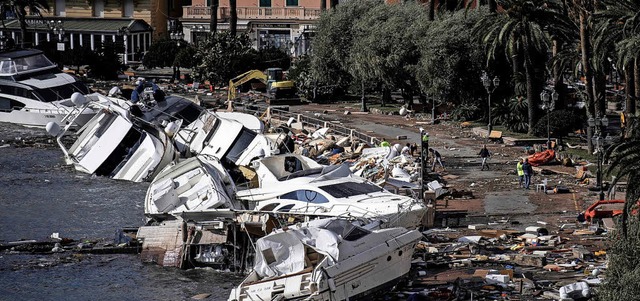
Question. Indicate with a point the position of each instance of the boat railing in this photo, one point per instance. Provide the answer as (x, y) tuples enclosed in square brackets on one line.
[(316, 123)]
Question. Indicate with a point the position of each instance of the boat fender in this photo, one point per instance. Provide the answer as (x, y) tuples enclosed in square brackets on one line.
[(172, 128), (78, 99), (53, 128)]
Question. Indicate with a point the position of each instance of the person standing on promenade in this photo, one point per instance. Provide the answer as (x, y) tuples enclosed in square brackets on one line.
[(436, 158), (484, 154), (528, 172), (520, 172)]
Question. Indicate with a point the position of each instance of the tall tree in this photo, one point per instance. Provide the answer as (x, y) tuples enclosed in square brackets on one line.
[(519, 32), (20, 9)]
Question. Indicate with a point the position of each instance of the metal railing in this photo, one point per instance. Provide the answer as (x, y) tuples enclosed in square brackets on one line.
[(251, 13), (315, 123)]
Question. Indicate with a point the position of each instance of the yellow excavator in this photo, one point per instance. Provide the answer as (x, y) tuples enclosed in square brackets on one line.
[(279, 90)]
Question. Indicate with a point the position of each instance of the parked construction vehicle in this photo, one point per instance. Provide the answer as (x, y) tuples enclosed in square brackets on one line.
[(279, 91)]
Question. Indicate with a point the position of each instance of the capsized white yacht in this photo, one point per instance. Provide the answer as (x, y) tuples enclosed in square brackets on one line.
[(296, 184), (327, 259), (34, 91), (191, 185), (226, 139), (116, 144)]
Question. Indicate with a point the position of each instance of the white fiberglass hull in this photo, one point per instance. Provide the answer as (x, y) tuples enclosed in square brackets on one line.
[(40, 117), (357, 276)]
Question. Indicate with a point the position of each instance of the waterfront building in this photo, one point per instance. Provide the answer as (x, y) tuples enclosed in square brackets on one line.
[(285, 24)]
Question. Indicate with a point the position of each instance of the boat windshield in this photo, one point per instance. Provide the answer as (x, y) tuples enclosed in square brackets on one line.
[(60, 92), (121, 154), (24, 64), (241, 144), (346, 229), (345, 190)]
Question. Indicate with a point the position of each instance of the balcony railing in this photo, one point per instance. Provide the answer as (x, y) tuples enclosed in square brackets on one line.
[(253, 13)]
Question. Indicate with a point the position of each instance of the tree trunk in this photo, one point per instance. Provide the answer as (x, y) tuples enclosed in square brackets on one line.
[(636, 82), (493, 6), (233, 22), (599, 93), (213, 24), (532, 97), (558, 83), (629, 90), (386, 96), (585, 47), (23, 33), (363, 100), (432, 10)]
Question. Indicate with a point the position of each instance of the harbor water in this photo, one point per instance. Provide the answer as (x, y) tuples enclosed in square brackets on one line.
[(40, 195)]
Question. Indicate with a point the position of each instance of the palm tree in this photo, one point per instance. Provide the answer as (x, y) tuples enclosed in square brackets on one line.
[(618, 28), (21, 9), (233, 22), (519, 33), (213, 24)]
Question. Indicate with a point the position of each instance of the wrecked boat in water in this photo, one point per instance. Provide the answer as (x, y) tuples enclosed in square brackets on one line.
[(328, 259), (297, 185), (116, 144), (194, 184), (226, 139)]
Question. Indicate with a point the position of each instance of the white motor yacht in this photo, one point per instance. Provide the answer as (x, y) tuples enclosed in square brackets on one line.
[(297, 185), (116, 144), (327, 259), (34, 91), (226, 139), (192, 185)]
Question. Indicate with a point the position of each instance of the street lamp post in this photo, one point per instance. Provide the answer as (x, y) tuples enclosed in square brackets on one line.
[(176, 35), (486, 82), (597, 124), (424, 156), (548, 103)]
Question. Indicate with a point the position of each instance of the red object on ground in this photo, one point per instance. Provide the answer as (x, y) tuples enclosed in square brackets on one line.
[(542, 158), (593, 212)]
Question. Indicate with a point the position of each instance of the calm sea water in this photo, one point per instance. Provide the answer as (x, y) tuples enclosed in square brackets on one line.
[(40, 195)]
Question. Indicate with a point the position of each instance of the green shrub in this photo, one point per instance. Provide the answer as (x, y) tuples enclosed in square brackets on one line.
[(561, 123)]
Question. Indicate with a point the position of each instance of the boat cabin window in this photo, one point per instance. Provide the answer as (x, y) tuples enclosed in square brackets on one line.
[(269, 207), (241, 144), (6, 104), (292, 164), (125, 149), (17, 91), (305, 195), (345, 190), (346, 229), (286, 208)]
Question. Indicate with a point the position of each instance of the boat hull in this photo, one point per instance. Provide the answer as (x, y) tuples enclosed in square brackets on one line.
[(39, 118)]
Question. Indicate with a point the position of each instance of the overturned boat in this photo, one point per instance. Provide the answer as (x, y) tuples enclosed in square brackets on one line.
[(114, 143), (226, 139), (327, 259), (194, 184), (296, 185)]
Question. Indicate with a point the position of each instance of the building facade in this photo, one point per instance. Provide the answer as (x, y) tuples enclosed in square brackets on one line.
[(74, 23), (285, 24)]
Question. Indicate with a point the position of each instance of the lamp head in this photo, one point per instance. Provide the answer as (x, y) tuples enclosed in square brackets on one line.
[(496, 81)]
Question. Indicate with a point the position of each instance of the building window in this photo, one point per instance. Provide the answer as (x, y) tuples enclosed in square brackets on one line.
[(292, 2), (127, 12), (60, 8), (265, 3), (98, 8)]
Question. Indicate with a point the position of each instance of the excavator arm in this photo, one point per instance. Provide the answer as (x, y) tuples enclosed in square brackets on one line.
[(235, 82)]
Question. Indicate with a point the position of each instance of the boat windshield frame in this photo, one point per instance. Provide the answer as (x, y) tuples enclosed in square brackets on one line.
[(25, 64)]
